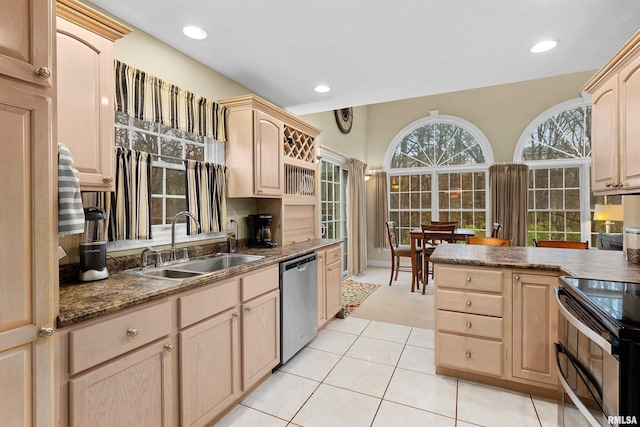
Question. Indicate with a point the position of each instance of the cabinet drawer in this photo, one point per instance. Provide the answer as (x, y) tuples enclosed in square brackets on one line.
[(469, 324), (208, 302), (95, 344), (260, 282), (469, 302), (469, 354), (334, 254), (469, 278)]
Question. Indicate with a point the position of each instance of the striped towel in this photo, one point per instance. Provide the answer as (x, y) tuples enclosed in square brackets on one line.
[(70, 211)]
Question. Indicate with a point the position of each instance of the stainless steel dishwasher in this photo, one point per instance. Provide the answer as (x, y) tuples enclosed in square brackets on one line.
[(298, 304)]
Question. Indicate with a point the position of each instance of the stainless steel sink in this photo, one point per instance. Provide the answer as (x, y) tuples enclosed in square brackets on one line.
[(181, 271)]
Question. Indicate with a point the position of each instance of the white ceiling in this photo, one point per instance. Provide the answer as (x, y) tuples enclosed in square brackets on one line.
[(372, 51)]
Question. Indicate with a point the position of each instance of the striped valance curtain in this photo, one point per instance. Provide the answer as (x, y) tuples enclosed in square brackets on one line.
[(130, 208), (146, 97), (205, 188)]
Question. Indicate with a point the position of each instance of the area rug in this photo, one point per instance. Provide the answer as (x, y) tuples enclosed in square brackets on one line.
[(353, 293)]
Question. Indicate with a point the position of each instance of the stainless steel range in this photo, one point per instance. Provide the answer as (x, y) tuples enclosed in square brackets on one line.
[(598, 352)]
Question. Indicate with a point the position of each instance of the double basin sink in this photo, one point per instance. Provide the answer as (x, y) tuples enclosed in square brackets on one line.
[(182, 270)]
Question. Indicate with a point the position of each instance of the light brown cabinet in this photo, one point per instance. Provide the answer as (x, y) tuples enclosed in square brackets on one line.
[(329, 284), (86, 89), (535, 327), (28, 269), (615, 104)]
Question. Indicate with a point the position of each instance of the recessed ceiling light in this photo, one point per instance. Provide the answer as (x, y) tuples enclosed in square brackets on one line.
[(322, 88), (544, 46), (195, 33)]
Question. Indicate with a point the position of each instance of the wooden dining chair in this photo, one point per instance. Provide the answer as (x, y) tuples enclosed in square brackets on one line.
[(489, 241), (564, 244), (432, 236), (399, 251), (496, 229)]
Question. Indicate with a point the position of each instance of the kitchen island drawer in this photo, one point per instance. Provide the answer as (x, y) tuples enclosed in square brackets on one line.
[(469, 324), (469, 278), (469, 354), (92, 345), (208, 302), (469, 302)]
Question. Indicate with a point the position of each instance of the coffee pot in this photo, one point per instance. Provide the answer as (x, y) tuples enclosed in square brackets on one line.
[(262, 231), (93, 247)]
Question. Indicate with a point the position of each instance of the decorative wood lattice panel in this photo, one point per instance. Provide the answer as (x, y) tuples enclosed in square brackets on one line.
[(298, 145), (299, 180)]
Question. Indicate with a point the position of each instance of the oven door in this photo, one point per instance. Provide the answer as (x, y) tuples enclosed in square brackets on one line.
[(587, 369)]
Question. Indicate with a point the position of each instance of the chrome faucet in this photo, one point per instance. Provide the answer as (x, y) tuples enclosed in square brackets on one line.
[(172, 256), (158, 254)]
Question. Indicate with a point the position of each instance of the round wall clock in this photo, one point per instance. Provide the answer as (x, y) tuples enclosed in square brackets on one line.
[(344, 119)]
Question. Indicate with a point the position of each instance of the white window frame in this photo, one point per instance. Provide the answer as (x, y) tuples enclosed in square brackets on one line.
[(436, 117), (213, 153), (583, 163)]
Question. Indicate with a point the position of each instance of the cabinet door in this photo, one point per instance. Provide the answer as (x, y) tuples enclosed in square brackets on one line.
[(630, 125), (28, 270), (25, 51), (604, 137), (334, 289), (85, 80), (268, 171), (535, 327), (260, 337), (322, 288), (134, 390), (209, 368)]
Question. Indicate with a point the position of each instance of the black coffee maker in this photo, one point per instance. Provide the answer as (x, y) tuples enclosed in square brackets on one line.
[(93, 248), (261, 233)]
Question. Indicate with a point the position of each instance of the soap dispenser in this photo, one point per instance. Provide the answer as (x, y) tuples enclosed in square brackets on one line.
[(232, 233)]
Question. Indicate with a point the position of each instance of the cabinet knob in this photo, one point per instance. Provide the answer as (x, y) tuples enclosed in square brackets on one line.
[(516, 278), (169, 347), (132, 332), (248, 308), (259, 191), (468, 354), (235, 314), (42, 72), (107, 179), (469, 325), (45, 331), (468, 279), (468, 303)]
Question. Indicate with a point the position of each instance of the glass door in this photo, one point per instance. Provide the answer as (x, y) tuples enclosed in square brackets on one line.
[(333, 201)]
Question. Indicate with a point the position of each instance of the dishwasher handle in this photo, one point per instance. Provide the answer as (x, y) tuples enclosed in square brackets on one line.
[(299, 263)]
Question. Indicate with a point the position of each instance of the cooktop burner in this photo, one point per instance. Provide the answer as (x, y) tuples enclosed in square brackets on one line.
[(618, 301)]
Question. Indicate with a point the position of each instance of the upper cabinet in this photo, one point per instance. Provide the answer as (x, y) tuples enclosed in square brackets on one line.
[(615, 135), (26, 52), (86, 89)]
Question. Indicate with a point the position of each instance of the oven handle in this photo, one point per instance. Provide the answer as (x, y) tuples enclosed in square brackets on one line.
[(590, 333), (567, 388)]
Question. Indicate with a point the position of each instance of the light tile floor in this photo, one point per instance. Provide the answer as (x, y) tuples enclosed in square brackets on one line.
[(358, 372)]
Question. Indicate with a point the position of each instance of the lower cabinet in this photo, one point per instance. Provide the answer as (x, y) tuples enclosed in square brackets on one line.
[(498, 324), (329, 284)]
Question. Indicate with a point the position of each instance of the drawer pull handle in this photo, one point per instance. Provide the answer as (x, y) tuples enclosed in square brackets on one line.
[(468, 279), (132, 332), (468, 354), (42, 72), (469, 325), (169, 347), (45, 331), (468, 303)]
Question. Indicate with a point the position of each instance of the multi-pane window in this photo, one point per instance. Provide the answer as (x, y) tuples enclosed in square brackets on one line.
[(169, 148), (333, 196), (438, 172)]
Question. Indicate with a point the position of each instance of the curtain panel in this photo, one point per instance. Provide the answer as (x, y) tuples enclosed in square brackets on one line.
[(130, 208), (380, 209), (357, 218), (508, 186), (205, 189), (146, 97)]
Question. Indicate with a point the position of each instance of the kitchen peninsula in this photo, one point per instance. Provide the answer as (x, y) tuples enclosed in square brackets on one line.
[(496, 313)]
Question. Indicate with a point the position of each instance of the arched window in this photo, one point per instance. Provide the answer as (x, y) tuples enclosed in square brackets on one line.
[(437, 168), (557, 147)]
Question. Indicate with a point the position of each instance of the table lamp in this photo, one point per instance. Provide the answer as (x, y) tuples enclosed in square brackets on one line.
[(608, 214)]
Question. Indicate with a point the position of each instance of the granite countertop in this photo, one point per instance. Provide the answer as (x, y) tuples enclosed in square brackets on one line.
[(83, 301), (592, 263)]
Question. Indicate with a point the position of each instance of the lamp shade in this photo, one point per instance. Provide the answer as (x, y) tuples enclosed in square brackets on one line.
[(608, 213)]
